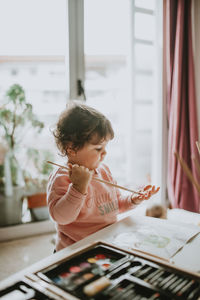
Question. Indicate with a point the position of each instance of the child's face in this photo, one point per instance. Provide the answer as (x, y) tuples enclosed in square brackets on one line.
[(90, 155)]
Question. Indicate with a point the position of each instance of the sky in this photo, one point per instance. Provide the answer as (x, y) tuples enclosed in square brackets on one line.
[(32, 27), (38, 27)]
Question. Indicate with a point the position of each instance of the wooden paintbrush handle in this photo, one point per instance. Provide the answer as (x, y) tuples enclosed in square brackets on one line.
[(100, 180)]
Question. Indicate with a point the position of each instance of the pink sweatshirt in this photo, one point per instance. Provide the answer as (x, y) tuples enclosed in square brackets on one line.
[(77, 215)]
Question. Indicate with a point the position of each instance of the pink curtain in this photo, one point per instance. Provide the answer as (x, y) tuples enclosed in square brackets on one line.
[(181, 103)]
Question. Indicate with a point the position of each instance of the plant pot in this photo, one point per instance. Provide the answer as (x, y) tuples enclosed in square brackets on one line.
[(37, 200), (38, 206), (11, 207)]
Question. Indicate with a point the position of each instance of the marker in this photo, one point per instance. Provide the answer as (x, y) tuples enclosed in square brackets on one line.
[(96, 286), (186, 287), (180, 286), (155, 276), (175, 284), (168, 283)]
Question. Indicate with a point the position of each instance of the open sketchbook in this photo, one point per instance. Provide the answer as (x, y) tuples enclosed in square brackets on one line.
[(163, 240)]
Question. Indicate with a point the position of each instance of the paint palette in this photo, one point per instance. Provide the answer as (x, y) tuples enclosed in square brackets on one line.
[(72, 274), (103, 271)]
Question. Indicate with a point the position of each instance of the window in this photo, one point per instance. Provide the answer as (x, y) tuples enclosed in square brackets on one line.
[(123, 79), (34, 43), (114, 47), (32, 54), (107, 73)]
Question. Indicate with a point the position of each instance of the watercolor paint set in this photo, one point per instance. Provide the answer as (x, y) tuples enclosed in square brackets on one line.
[(22, 290), (103, 271)]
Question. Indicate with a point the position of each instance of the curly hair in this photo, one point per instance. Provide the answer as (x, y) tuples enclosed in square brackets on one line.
[(78, 124)]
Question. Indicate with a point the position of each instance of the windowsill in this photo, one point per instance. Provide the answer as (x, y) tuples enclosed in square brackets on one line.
[(41, 227), (26, 230)]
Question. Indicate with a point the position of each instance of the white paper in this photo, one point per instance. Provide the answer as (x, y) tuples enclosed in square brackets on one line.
[(162, 240)]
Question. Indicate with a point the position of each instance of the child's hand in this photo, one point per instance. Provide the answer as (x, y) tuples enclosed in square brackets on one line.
[(147, 192), (80, 177)]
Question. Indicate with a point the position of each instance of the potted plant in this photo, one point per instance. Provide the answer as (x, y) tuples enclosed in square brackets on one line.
[(36, 181), (16, 119)]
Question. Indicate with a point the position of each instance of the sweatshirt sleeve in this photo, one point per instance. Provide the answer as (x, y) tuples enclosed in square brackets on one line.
[(124, 201), (64, 201)]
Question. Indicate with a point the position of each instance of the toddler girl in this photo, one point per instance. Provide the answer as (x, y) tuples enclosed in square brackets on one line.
[(78, 204)]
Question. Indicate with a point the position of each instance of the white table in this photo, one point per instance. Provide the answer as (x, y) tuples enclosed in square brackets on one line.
[(187, 258)]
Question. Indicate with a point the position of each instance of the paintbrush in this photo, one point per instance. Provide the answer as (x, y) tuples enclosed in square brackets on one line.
[(197, 165), (100, 180), (188, 172), (198, 146)]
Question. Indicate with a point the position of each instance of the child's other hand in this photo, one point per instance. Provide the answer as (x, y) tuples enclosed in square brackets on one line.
[(147, 192), (80, 176)]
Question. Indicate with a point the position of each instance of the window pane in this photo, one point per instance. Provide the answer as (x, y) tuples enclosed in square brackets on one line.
[(127, 102), (32, 54), (149, 4), (143, 165), (33, 27), (143, 141), (107, 74), (142, 81), (144, 26), (143, 117), (104, 33), (144, 57), (35, 56)]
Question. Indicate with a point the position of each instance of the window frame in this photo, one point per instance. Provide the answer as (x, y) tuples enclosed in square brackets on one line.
[(75, 56)]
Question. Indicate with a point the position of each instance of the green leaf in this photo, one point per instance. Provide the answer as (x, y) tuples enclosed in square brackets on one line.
[(15, 117), (16, 92), (5, 116)]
